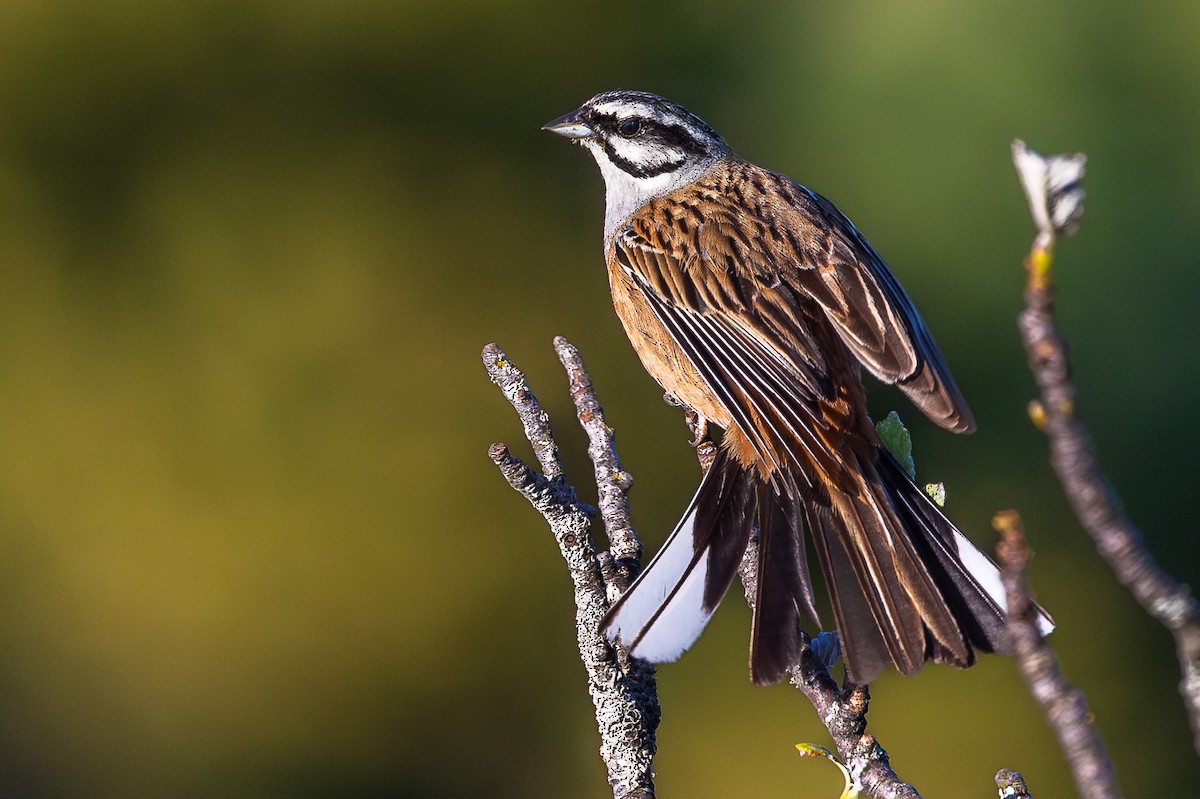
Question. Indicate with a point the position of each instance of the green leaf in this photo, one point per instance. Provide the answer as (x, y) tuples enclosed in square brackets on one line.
[(896, 438)]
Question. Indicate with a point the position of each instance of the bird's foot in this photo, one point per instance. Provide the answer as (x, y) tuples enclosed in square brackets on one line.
[(699, 427)]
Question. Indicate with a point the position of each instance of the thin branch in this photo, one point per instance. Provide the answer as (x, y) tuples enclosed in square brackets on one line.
[(612, 482), (843, 711), (1064, 705), (624, 695), (1053, 183), (536, 422)]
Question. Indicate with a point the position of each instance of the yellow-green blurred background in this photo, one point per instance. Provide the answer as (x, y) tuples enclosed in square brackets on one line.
[(250, 542)]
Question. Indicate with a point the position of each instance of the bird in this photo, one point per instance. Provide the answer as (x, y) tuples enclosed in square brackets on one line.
[(755, 303)]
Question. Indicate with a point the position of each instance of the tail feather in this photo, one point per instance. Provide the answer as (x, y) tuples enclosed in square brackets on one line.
[(933, 604), (967, 578), (871, 558), (668, 606), (734, 504), (906, 585), (898, 589), (860, 633), (784, 588)]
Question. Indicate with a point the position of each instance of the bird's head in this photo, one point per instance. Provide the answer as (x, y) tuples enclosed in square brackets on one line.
[(645, 145)]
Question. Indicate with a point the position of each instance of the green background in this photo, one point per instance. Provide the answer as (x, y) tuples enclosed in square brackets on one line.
[(250, 541)]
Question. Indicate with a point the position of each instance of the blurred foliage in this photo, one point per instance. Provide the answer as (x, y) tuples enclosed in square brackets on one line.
[(249, 253)]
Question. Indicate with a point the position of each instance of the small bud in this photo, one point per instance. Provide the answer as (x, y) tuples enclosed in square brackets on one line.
[(622, 479), (1037, 414)]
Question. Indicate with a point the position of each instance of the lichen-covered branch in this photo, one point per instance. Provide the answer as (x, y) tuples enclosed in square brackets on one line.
[(1064, 705), (1053, 183), (624, 695), (624, 553)]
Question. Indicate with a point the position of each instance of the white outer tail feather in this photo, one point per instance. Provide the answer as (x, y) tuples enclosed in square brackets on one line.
[(661, 637), (987, 574)]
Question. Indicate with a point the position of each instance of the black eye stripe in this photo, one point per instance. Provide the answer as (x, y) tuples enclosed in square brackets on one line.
[(672, 135), (681, 137), (639, 170)]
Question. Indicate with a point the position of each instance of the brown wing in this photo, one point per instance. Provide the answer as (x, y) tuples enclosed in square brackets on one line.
[(874, 316), (762, 360), (794, 247)]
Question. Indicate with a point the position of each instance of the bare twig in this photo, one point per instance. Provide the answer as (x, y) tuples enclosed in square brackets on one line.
[(1064, 705), (612, 482), (1053, 183), (625, 697)]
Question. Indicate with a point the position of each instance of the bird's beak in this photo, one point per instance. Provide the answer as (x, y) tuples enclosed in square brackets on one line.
[(570, 126)]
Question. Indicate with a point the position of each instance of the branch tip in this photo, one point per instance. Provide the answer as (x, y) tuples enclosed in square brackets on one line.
[(1053, 187), (612, 481), (1062, 703), (1011, 784)]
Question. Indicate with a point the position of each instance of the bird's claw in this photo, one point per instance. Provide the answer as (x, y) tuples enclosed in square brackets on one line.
[(699, 427)]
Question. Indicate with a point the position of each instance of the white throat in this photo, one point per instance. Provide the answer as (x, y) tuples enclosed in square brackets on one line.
[(624, 194)]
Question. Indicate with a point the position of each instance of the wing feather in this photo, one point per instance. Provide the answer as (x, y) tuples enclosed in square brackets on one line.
[(874, 316), (755, 382)]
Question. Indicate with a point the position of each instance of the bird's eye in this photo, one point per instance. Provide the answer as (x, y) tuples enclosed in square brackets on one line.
[(630, 128)]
